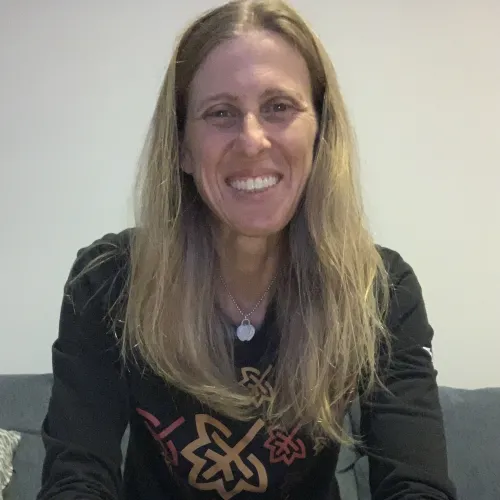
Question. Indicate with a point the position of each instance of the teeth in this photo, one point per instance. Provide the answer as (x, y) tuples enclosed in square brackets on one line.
[(254, 184)]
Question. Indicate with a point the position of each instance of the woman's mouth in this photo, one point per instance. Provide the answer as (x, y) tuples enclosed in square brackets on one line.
[(254, 184)]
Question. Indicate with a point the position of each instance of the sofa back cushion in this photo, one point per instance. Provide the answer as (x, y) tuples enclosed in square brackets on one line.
[(24, 401), (471, 419)]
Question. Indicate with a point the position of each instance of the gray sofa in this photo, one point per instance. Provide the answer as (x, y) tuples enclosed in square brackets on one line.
[(472, 420)]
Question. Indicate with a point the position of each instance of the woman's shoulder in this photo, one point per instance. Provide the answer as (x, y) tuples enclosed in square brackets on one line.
[(101, 269), (113, 244), (393, 261), (397, 268), (406, 302)]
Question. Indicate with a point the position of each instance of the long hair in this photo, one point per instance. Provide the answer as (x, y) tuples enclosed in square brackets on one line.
[(331, 298)]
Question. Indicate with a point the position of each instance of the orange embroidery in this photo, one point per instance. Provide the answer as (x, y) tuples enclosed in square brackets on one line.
[(221, 457), (256, 382), (319, 444), (285, 448)]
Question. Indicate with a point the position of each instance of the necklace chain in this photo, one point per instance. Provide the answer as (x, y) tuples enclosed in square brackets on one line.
[(246, 316)]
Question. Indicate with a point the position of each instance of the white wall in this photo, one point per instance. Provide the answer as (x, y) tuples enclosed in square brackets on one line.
[(421, 78)]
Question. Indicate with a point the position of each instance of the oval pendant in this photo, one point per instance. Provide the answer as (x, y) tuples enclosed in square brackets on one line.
[(245, 331)]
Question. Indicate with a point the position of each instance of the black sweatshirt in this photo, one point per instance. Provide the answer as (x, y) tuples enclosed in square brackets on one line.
[(179, 449)]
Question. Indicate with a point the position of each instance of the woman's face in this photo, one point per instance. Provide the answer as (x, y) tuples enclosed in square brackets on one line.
[(250, 132)]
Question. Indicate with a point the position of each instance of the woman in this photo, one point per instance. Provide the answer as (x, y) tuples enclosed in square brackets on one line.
[(234, 326)]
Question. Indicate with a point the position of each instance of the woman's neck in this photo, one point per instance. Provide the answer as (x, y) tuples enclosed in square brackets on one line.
[(248, 266)]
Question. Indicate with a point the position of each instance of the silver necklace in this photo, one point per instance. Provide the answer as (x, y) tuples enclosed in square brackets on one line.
[(246, 330)]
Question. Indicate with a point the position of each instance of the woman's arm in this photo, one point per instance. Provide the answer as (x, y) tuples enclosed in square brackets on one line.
[(403, 426), (88, 410)]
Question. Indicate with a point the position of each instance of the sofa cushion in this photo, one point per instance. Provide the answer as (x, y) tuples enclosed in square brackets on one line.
[(471, 420), (345, 471), (8, 444), (24, 401), (28, 460)]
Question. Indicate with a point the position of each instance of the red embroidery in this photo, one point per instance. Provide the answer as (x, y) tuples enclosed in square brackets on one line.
[(285, 448), (169, 450)]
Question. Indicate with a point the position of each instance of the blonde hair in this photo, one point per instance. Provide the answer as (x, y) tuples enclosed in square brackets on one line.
[(331, 299)]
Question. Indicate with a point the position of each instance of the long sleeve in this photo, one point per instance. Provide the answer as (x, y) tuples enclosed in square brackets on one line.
[(402, 425), (88, 410)]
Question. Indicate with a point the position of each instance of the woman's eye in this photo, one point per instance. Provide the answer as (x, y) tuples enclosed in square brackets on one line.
[(221, 113), (222, 117), (280, 107), (277, 108)]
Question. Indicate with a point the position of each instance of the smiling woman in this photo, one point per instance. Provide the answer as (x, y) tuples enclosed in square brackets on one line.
[(250, 147), (235, 324)]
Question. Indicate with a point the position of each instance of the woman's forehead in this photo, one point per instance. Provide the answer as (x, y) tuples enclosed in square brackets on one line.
[(252, 63)]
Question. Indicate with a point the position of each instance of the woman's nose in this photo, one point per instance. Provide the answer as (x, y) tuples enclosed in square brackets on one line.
[(253, 137)]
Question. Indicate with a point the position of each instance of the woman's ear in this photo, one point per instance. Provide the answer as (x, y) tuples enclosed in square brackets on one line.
[(317, 140), (186, 163)]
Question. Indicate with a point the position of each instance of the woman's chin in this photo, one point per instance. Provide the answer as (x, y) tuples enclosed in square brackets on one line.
[(254, 229)]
